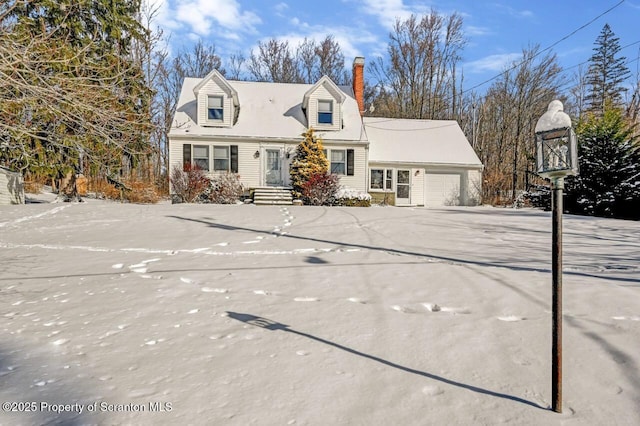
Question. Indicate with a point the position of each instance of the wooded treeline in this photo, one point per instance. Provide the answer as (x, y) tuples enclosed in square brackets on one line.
[(89, 86)]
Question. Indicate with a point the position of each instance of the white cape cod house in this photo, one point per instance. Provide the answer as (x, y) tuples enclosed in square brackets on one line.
[(253, 128)]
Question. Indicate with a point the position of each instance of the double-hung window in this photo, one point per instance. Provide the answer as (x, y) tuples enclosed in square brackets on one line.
[(201, 157), (221, 158), (325, 112), (215, 108), (338, 162)]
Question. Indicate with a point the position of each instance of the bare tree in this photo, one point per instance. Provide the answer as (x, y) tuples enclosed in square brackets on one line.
[(274, 62), (577, 93), (236, 63), (511, 108), (418, 81), (331, 61)]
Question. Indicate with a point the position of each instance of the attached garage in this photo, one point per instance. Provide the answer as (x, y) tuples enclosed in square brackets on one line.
[(423, 162), (442, 189)]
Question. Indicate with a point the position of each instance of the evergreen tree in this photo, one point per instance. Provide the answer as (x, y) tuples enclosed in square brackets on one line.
[(609, 181), (606, 74), (309, 160), (71, 90)]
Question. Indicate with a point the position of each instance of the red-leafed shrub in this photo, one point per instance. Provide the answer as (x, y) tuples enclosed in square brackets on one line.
[(320, 189), (187, 184)]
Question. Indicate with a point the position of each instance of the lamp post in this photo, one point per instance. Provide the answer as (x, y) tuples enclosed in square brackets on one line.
[(557, 157)]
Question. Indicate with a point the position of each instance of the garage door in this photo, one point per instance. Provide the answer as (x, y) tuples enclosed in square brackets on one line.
[(442, 189)]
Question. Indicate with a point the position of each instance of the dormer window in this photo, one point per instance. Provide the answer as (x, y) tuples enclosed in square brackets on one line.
[(325, 112), (215, 108)]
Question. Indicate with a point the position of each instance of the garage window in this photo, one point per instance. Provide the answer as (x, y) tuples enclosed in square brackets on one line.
[(382, 179)]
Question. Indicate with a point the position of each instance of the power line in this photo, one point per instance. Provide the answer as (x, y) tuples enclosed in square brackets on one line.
[(546, 48)]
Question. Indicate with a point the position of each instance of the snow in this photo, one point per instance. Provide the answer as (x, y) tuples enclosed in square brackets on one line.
[(554, 118), (160, 315)]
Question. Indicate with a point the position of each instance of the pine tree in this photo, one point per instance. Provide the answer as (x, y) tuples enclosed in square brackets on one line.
[(607, 73), (309, 160), (71, 90), (609, 181)]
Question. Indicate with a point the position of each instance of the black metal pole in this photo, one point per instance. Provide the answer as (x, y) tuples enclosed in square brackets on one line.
[(556, 373)]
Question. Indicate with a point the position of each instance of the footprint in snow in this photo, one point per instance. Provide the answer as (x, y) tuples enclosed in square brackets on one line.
[(357, 300), (262, 292), (433, 307), (432, 390), (511, 318), (306, 299), (403, 309), (187, 280), (118, 266), (214, 290), (623, 318), (139, 268), (221, 244), (251, 242)]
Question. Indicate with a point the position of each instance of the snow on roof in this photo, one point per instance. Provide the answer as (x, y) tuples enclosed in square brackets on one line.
[(267, 110), (418, 141)]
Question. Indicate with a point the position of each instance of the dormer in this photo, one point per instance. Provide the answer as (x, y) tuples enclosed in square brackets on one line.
[(217, 101), (323, 105)]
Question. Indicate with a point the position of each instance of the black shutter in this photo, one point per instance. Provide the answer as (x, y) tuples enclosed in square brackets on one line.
[(350, 162), (186, 156), (234, 158)]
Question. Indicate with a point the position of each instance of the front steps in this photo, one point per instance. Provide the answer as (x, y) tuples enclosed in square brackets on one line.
[(272, 195)]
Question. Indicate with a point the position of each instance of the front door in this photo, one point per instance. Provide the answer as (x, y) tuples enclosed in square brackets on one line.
[(273, 169), (403, 178)]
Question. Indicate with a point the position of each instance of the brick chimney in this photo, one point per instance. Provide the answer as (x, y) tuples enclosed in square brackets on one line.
[(358, 82)]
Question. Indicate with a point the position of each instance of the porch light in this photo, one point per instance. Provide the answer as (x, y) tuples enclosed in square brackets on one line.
[(256, 154), (556, 143)]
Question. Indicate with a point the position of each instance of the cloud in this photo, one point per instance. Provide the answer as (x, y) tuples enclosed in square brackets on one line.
[(281, 7), (492, 63), (472, 30), (506, 9), (207, 17), (387, 11)]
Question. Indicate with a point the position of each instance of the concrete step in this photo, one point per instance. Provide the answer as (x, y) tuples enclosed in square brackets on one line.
[(272, 195), (272, 202)]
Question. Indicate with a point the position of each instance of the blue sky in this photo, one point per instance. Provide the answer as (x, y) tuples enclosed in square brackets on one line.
[(496, 31)]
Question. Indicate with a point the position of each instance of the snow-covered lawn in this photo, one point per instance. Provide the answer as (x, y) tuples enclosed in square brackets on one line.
[(237, 315)]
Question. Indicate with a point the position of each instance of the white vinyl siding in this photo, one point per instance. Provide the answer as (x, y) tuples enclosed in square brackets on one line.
[(249, 167), (318, 98), (417, 187), (211, 90), (359, 179)]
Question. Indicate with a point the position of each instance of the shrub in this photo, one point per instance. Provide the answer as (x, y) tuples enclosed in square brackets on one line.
[(103, 189), (352, 198), (309, 160), (320, 189), (224, 189), (141, 192), (187, 184)]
